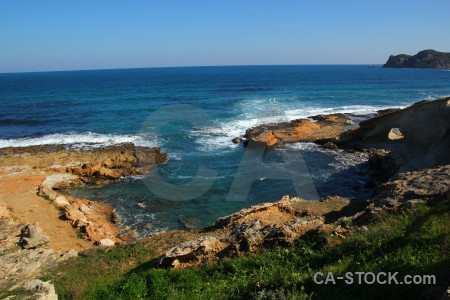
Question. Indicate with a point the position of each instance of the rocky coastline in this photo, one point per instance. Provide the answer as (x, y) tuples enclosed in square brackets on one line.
[(426, 59), (416, 136), (410, 158), (39, 226), (408, 148)]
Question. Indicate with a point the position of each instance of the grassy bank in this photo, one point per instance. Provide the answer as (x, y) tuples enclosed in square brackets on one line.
[(414, 241)]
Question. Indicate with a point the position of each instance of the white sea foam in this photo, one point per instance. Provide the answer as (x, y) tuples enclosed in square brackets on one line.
[(219, 137), (82, 139), (311, 147)]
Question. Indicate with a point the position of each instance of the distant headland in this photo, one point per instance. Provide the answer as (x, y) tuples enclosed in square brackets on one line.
[(425, 59)]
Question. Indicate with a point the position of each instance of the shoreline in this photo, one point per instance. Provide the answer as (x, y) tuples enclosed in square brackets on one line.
[(28, 175), (31, 177), (54, 168)]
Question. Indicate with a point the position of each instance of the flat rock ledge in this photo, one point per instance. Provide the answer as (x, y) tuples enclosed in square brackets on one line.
[(257, 228), (320, 128)]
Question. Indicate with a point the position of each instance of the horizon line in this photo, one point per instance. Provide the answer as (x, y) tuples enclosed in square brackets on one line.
[(189, 66)]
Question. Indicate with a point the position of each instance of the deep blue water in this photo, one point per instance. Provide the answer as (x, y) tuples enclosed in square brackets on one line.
[(112, 106)]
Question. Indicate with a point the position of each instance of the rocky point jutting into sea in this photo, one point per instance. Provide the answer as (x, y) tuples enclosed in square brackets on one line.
[(408, 149), (424, 59)]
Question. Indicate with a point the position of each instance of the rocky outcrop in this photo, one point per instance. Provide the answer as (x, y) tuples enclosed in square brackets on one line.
[(91, 164), (255, 237), (416, 137), (424, 59), (323, 128), (423, 185), (193, 252), (92, 217), (63, 166), (32, 237), (259, 227), (406, 190), (19, 265), (41, 290), (419, 134)]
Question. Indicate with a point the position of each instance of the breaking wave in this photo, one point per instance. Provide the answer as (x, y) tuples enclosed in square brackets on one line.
[(81, 139)]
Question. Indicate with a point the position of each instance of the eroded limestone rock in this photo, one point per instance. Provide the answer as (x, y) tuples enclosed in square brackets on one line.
[(193, 252), (33, 237), (327, 127), (42, 290), (412, 186), (256, 228)]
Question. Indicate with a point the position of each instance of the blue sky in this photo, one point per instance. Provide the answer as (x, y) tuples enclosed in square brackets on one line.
[(39, 35)]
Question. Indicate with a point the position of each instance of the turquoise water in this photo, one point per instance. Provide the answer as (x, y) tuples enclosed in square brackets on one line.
[(113, 106)]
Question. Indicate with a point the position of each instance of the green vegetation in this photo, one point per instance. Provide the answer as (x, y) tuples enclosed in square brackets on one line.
[(17, 294), (414, 241), (97, 266)]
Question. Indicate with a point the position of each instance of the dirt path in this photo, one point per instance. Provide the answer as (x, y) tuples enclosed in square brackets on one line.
[(18, 190)]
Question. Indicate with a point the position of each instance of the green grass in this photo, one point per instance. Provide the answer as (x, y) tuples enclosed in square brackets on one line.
[(97, 266), (16, 294), (415, 241)]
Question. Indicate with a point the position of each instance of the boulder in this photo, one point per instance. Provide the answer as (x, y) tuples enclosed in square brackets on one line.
[(22, 264), (105, 243), (32, 237), (115, 217), (253, 237), (42, 290), (330, 146), (237, 140), (193, 252)]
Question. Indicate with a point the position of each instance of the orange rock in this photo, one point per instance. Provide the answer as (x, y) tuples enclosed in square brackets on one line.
[(301, 130), (61, 168)]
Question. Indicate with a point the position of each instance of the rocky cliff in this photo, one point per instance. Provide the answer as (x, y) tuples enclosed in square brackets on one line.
[(418, 135), (424, 59)]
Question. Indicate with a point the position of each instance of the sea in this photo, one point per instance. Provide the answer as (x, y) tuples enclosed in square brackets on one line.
[(192, 114)]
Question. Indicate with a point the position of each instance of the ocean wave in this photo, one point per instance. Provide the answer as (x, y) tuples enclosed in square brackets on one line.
[(310, 147), (82, 140), (219, 137)]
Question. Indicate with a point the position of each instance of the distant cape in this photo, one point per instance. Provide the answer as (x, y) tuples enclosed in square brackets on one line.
[(424, 59)]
